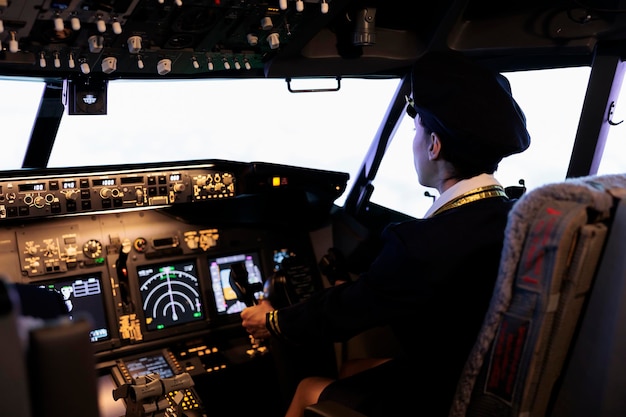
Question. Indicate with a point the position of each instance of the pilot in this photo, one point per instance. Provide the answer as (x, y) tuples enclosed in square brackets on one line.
[(433, 278)]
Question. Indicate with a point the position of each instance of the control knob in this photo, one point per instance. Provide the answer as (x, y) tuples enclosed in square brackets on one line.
[(71, 195), (105, 193), (40, 201), (92, 249)]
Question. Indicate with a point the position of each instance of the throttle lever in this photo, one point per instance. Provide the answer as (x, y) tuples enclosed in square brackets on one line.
[(238, 278)]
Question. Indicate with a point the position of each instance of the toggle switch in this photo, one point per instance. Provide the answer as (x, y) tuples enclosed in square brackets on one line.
[(101, 25), (75, 22), (13, 45), (324, 7), (117, 27), (59, 26), (85, 68)]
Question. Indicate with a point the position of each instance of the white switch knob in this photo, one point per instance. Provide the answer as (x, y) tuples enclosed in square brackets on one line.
[(58, 24), (117, 27), (95, 43), (134, 44), (266, 23), (274, 40), (109, 64), (164, 66), (252, 39), (75, 23), (102, 27)]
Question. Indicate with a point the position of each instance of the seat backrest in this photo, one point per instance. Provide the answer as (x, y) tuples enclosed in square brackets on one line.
[(594, 382), (47, 364), (555, 238), (14, 395)]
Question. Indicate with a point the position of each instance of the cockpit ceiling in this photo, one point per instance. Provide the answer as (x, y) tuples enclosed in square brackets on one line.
[(279, 38)]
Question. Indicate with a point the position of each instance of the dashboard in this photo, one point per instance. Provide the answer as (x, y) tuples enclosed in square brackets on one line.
[(146, 253)]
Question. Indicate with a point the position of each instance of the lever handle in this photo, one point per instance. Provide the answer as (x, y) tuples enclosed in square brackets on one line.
[(238, 278)]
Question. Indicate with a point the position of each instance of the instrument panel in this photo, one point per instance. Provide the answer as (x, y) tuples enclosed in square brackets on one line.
[(88, 192), (148, 274), (146, 253), (27, 194)]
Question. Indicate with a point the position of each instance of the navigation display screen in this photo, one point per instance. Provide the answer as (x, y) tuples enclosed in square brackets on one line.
[(149, 364), (170, 294), (84, 295), (226, 300)]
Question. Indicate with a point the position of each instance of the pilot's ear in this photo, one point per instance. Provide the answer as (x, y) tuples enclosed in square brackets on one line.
[(434, 149)]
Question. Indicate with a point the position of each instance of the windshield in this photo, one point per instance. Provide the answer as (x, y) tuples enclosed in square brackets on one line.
[(261, 120)]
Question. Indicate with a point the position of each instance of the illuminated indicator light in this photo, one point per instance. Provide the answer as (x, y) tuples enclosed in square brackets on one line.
[(197, 314), (276, 181), (160, 327), (99, 261)]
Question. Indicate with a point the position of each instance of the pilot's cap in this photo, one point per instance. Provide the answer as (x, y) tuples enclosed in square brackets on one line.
[(470, 107)]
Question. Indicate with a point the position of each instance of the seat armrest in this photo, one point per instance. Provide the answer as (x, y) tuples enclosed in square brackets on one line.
[(330, 409)]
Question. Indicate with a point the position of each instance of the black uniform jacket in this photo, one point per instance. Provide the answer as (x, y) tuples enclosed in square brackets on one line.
[(431, 282)]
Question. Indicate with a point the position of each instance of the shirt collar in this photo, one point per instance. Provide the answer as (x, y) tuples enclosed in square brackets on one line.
[(460, 188)]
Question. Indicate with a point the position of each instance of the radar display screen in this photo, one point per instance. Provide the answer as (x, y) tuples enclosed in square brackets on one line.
[(170, 294)]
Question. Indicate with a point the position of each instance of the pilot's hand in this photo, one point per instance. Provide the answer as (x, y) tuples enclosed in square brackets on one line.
[(253, 319)]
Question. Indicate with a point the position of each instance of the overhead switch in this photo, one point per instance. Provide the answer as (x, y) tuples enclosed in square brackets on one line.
[(109, 64), (134, 44), (164, 66), (274, 40)]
